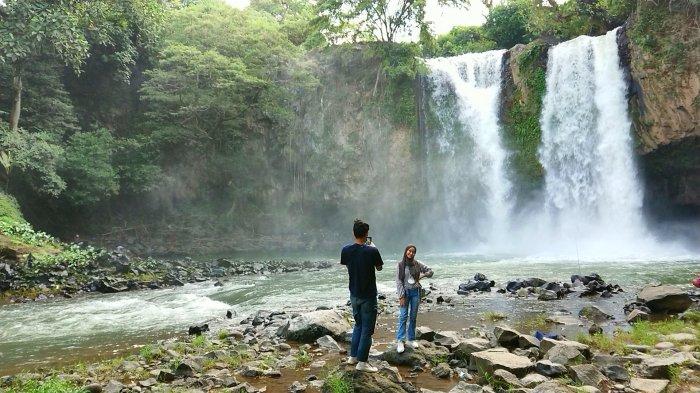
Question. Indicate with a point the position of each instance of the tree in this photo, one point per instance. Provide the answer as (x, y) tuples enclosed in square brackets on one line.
[(372, 20), (31, 28), (463, 39), (506, 24)]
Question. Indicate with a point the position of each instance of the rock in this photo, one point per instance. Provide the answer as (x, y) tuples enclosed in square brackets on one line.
[(148, 382), (93, 388), (414, 357), (587, 389), (665, 299), (506, 377), (616, 372), (681, 337), (595, 329), (664, 345), (531, 380), (552, 387), (297, 387), (164, 376), (547, 343), (442, 370), (493, 359), (187, 368), (198, 330), (547, 295), (550, 369), (229, 314), (463, 387), (475, 286), (586, 374), (463, 351), (649, 385), (522, 292), (594, 313), (564, 354), (310, 326), (384, 381), (329, 343), (448, 338), (425, 333), (658, 367), (506, 336), (527, 341), (113, 387)]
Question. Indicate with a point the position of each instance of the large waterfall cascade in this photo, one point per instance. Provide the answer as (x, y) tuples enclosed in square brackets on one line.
[(466, 174), (591, 187)]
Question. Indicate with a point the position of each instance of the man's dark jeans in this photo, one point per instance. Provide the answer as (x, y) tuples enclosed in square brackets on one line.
[(365, 313)]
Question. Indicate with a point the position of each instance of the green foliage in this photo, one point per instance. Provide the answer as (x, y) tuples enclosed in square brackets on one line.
[(200, 341), (569, 20), (9, 211), (50, 385), (532, 322), (378, 20), (25, 233), (494, 316), (150, 352), (604, 343), (71, 256), (337, 382), (506, 24), (463, 39), (35, 156), (302, 358), (88, 169)]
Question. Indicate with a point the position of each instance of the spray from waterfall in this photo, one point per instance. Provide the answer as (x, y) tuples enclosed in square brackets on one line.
[(468, 188)]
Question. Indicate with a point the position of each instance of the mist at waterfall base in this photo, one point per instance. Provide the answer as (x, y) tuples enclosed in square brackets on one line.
[(591, 205)]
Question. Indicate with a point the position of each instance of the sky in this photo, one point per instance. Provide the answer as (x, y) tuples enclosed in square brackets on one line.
[(442, 18)]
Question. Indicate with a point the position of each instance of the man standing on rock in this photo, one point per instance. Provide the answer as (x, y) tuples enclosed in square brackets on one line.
[(361, 258)]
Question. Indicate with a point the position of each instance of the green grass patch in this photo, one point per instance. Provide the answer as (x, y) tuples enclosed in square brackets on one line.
[(150, 352), (200, 342), (494, 316), (603, 343), (9, 210), (50, 385), (640, 333), (435, 360), (531, 323), (337, 382), (302, 358)]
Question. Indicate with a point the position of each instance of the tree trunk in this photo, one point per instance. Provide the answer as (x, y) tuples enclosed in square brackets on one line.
[(17, 101)]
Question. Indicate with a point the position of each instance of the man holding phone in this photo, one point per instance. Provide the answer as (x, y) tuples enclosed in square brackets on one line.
[(362, 258)]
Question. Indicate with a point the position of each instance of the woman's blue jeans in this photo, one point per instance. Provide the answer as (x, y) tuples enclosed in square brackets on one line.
[(364, 311), (410, 313)]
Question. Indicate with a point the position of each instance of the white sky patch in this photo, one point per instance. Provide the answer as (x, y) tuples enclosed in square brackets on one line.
[(442, 19)]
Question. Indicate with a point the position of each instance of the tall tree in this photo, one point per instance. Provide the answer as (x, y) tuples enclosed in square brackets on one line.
[(372, 20), (32, 28)]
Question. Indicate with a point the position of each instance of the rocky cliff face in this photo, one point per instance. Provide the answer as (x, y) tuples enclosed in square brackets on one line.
[(661, 50)]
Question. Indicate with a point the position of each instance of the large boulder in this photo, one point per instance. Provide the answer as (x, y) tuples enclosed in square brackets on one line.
[(649, 385), (660, 367), (493, 359), (547, 343), (448, 338), (414, 357), (564, 354), (665, 299), (549, 368), (587, 374), (309, 327), (387, 380), (464, 350), (506, 336)]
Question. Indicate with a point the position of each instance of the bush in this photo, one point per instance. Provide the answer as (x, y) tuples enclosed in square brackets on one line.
[(506, 24), (463, 39), (51, 385)]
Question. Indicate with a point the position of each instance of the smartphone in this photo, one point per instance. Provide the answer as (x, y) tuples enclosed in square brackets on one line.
[(368, 241)]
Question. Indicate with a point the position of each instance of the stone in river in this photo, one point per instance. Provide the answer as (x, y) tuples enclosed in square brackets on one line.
[(311, 326), (493, 359), (665, 299)]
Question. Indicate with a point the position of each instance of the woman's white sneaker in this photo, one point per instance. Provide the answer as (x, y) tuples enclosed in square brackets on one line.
[(399, 347), (413, 344), (364, 366), (351, 361)]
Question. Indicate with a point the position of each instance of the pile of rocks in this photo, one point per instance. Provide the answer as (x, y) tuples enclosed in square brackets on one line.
[(479, 284), (536, 286), (594, 285)]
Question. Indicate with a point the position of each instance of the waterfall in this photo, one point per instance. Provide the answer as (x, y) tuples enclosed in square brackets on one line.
[(468, 189), (592, 193)]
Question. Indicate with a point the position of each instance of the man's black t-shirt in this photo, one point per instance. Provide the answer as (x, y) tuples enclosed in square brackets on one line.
[(361, 261)]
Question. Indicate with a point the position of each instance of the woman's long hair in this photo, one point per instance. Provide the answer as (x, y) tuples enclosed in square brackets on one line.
[(412, 267), (405, 259)]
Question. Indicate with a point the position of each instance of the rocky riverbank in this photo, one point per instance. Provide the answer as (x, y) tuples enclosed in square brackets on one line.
[(118, 271), (279, 351)]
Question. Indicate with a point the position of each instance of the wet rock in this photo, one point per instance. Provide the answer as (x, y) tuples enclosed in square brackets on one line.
[(329, 343), (550, 369), (197, 330), (649, 385), (586, 374), (297, 387), (595, 329), (442, 370), (594, 313), (665, 299), (93, 388), (310, 326), (616, 373), (547, 295), (475, 286), (493, 359), (506, 377), (244, 387)]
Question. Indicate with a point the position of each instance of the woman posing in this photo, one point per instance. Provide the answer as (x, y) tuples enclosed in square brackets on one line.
[(408, 275)]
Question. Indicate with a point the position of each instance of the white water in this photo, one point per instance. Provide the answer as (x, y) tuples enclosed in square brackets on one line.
[(469, 191), (592, 192)]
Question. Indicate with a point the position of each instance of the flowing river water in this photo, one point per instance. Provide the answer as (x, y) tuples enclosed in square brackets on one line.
[(97, 326)]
